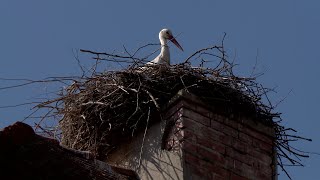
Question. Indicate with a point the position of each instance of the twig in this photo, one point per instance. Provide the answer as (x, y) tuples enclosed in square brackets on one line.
[(107, 54), (201, 50), (153, 99), (144, 136)]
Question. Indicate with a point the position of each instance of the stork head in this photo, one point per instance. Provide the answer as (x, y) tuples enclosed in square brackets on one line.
[(166, 34)]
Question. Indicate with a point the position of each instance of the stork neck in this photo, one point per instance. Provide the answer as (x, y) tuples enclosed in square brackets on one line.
[(164, 45), (164, 54), (163, 41)]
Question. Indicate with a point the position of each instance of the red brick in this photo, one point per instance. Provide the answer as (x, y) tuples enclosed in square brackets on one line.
[(262, 176), (266, 147), (229, 163), (245, 138), (204, 111), (216, 169), (244, 169), (262, 168), (174, 117), (197, 172), (215, 135), (217, 177), (237, 177), (189, 147), (174, 110), (234, 124), (179, 106), (191, 125), (211, 156), (187, 104), (202, 131), (230, 131), (224, 128), (227, 140), (245, 158), (218, 118), (191, 159), (211, 144), (188, 135), (239, 146), (211, 133), (217, 125), (206, 166), (196, 117), (260, 156), (263, 146), (258, 135)]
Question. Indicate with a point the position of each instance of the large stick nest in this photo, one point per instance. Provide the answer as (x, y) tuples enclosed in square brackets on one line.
[(102, 109), (108, 106)]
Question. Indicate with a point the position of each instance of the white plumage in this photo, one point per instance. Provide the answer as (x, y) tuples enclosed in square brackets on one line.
[(164, 56)]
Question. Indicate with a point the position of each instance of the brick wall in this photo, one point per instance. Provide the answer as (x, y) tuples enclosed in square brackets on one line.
[(216, 145)]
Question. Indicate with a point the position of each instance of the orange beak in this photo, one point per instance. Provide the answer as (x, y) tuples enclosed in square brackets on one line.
[(175, 42)]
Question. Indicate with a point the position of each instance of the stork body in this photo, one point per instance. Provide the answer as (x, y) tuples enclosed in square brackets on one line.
[(164, 56)]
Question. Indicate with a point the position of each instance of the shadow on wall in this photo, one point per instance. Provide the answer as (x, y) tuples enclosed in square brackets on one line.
[(149, 160)]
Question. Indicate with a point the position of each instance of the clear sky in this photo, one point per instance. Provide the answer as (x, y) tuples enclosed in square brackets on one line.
[(38, 37)]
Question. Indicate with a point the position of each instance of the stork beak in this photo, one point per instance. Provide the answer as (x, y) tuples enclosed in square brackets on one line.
[(175, 42)]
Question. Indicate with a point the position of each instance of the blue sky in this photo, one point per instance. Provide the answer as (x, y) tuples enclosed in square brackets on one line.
[(37, 40)]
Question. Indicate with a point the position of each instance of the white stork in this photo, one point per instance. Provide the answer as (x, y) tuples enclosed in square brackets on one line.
[(164, 56)]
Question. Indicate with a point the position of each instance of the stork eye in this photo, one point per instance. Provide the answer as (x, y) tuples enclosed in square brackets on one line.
[(167, 32)]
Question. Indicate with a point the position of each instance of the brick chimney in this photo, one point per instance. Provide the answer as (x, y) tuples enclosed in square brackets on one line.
[(197, 141)]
